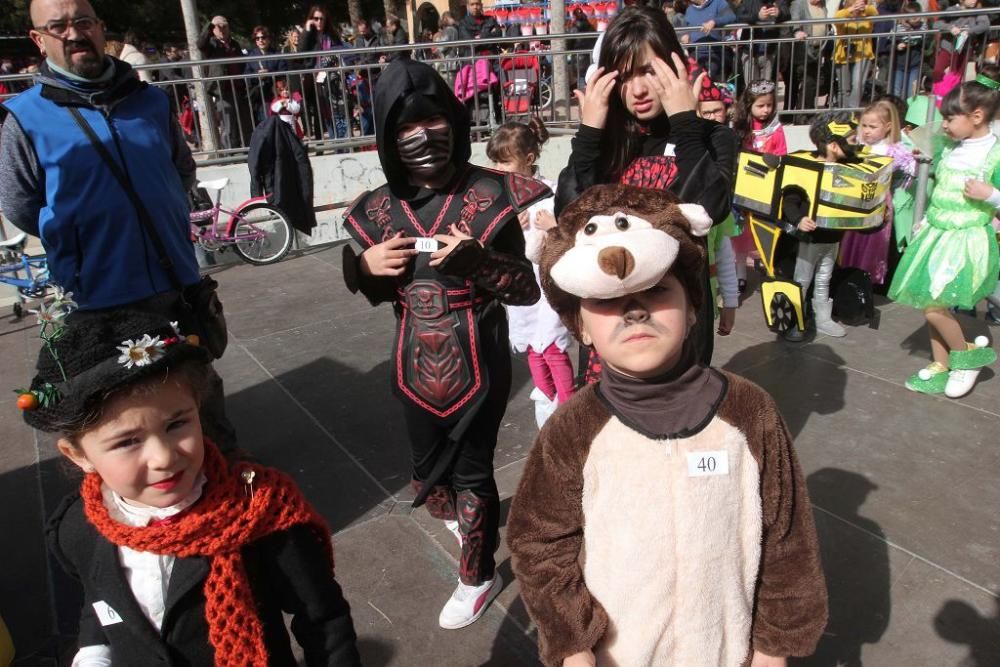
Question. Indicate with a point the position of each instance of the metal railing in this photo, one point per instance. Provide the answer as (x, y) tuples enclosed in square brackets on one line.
[(846, 67), (510, 77)]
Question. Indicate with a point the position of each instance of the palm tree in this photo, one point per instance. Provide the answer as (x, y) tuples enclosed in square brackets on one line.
[(354, 10), (392, 7)]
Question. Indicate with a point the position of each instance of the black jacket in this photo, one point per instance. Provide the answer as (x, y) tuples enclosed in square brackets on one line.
[(288, 572), (279, 167), (369, 42), (706, 162), (212, 47), (397, 38), (483, 27), (581, 25), (312, 40), (794, 207), (749, 12)]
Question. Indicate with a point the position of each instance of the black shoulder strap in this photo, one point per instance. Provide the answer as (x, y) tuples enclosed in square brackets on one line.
[(126, 184)]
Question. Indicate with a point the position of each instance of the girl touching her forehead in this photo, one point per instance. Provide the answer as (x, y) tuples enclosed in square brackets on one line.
[(639, 126)]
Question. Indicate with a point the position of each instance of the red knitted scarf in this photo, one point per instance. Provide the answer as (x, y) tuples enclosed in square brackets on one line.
[(223, 521)]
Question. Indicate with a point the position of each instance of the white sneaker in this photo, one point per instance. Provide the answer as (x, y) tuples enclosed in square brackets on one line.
[(468, 603), (960, 382), (453, 527), (544, 406)]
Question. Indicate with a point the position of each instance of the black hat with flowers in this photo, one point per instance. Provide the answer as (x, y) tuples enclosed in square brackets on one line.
[(94, 354)]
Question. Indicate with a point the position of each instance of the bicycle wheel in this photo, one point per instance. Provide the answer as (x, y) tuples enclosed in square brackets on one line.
[(544, 95), (262, 234)]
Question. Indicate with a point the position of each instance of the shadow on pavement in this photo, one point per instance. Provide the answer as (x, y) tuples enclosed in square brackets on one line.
[(374, 653), (293, 432), (516, 617), (40, 621), (960, 623), (813, 383), (856, 564)]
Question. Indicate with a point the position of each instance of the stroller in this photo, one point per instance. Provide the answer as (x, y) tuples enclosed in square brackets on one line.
[(519, 80), (478, 88)]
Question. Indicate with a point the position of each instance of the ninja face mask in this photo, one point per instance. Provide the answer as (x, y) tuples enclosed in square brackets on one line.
[(426, 152)]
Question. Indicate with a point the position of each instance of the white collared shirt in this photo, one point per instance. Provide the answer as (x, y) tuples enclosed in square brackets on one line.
[(147, 574)]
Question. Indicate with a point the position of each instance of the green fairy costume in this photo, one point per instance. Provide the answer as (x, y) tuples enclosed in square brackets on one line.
[(953, 259)]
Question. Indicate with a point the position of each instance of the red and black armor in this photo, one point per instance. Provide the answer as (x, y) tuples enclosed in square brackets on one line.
[(437, 355)]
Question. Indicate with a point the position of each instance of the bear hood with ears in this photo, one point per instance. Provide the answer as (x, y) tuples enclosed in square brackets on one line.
[(619, 239)]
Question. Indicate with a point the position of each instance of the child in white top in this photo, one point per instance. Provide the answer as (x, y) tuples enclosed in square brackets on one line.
[(535, 329), (952, 260), (287, 106)]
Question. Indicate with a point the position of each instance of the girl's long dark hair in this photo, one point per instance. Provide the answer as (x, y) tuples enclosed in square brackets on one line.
[(624, 42), (329, 27), (743, 118)]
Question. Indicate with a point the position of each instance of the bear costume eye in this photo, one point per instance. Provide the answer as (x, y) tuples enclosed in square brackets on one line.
[(590, 229), (621, 222)]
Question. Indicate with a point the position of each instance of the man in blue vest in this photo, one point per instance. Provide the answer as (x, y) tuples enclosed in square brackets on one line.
[(56, 185)]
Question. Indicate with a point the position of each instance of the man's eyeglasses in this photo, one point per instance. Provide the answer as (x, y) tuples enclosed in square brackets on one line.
[(260, 37), (319, 17), (61, 28)]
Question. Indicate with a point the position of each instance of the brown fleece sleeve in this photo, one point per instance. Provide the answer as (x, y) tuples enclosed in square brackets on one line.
[(545, 532), (790, 609)]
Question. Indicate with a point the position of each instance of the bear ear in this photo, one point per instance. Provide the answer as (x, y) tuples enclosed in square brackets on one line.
[(697, 217)]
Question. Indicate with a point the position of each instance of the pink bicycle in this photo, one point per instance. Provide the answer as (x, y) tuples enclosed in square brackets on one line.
[(257, 231)]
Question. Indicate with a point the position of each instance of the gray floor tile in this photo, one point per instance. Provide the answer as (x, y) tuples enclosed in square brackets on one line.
[(934, 467), (938, 620), (276, 430), (396, 580)]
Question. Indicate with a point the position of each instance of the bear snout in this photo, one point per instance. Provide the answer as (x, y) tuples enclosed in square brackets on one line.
[(616, 261)]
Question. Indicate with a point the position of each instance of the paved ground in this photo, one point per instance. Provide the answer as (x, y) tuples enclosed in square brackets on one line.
[(904, 486)]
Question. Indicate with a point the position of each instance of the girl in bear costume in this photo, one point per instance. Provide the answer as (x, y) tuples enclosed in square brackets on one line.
[(662, 518)]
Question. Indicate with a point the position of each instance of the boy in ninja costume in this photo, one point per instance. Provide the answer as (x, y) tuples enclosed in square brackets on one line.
[(441, 241)]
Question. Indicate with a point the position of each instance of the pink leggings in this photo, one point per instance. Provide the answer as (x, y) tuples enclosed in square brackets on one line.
[(552, 372)]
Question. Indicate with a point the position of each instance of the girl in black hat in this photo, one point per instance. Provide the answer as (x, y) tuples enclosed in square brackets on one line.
[(182, 558)]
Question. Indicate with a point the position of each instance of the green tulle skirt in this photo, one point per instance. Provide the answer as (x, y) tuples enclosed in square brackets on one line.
[(947, 267)]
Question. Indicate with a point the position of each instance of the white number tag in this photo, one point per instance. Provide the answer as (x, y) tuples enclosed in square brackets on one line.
[(105, 614), (703, 463), (425, 244)]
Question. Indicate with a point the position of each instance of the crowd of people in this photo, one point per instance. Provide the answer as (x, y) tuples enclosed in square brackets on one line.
[(834, 65), (325, 103), (648, 467)]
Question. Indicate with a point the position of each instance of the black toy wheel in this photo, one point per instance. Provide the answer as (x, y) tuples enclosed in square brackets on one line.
[(34, 291), (18, 311), (782, 313)]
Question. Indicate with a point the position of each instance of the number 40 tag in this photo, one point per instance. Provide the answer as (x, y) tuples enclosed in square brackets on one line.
[(705, 463)]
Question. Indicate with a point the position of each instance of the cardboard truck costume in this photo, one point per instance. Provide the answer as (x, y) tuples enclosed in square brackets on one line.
[(848, 196)]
